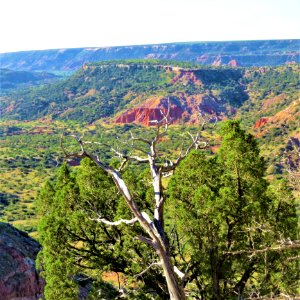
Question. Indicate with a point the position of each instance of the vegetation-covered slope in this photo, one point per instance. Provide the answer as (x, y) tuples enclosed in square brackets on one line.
[(132, 91), (10, 79), (273, 110), (101, 90)]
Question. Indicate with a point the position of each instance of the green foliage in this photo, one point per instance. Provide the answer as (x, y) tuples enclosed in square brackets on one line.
[(222, 214), (220, 211), (74, 241), (59, 270), (28, 154)]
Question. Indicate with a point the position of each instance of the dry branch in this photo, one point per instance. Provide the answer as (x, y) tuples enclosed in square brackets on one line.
[(284, 245), (149, 267), (115, 223)]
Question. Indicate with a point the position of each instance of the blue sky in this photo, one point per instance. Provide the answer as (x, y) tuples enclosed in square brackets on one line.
[(49, 24)]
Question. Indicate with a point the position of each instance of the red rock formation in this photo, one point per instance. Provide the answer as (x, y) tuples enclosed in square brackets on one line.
[(291, 62), (182, 107), (261, 122), (218, 61), (10, 108), (203, 58), (19, 279), (91, 92), (233, 63), (149, 112), (281, 119)]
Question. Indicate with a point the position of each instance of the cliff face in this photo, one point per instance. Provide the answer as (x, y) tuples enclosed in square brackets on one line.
[(182, 109), (153, 109), (19, 279)]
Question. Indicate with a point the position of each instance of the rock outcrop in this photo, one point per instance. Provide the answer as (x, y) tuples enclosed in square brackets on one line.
[(233, 63), (261, 122), (182, 109), (150, 111), (19, 279)]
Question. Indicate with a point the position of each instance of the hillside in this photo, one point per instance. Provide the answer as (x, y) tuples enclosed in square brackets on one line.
[(272, 111), (241, 53), (10, 79), (102, 90)]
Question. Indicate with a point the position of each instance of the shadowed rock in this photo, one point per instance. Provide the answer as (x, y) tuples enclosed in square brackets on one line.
[(19, 279)]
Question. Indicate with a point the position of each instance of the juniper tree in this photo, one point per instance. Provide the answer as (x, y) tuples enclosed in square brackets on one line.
[(74, 243), (227, 224)]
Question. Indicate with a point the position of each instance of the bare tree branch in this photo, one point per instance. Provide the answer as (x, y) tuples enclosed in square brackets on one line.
[(180, 274), (121, 185), (145, 240), (284, 245), (115, 223), (119, 154), (139, 139), (149, 267)]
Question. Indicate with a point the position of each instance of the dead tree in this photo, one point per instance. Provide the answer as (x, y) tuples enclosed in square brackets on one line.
[(153, 226)]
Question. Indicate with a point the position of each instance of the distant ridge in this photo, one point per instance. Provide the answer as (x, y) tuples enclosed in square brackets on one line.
[(233, 53)]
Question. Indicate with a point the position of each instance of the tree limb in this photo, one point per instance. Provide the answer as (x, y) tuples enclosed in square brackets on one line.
[(116, 223), (145, 240), (149, 267), (283, 246), (180, 274)]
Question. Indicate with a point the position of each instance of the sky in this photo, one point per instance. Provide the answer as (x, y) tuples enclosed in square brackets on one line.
[(53, 24)]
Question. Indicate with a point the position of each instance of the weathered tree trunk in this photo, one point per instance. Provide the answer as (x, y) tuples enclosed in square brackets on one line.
[(176, 291)]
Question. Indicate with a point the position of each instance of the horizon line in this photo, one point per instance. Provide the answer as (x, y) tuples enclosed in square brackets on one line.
[(151, 44)]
